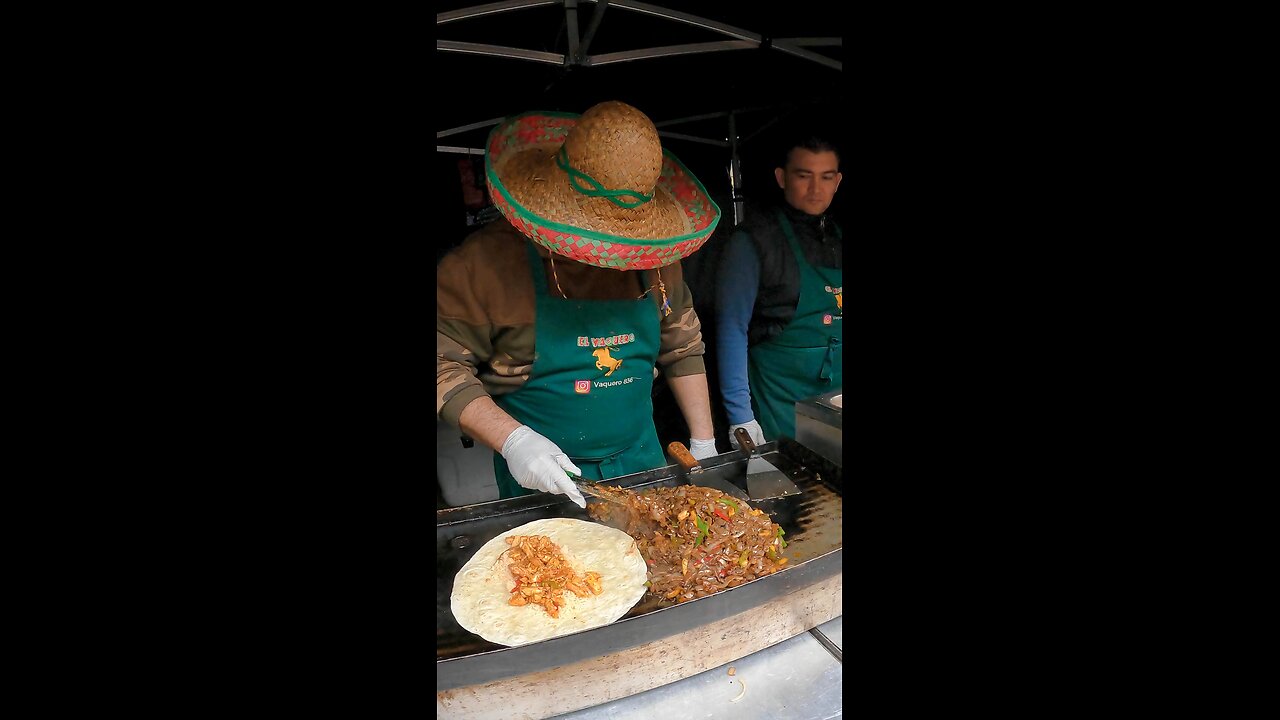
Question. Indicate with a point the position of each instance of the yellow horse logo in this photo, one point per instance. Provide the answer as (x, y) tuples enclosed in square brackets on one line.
[(603, 361), (839, 303)]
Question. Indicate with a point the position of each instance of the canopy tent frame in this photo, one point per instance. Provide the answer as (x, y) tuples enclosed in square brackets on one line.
[(578, 56)]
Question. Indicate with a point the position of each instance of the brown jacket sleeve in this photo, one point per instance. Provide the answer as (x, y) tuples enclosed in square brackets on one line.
[(681, 348), (484, 319)]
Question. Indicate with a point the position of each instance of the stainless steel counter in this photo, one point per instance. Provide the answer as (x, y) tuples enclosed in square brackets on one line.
[(796, 679), (820, 424)]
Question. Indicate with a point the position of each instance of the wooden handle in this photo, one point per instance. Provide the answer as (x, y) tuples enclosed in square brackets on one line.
[(683, 456), (744, 440)]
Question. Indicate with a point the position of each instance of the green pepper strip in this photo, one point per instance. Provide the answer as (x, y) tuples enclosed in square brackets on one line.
[(702, 531), (782, 532), (730, 503), (742, 559)]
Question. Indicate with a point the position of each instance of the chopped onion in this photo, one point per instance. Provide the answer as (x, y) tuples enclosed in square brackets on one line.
[(744, 690)]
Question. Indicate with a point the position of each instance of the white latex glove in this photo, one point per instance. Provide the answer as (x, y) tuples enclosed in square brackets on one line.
[(702, 449), (753, 431), (539, 464)]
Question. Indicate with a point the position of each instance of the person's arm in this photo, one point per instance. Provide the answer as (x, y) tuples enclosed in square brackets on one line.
[(485, 422), (680, 355), (737, 285), (464, 332), (694, 400), (534, 461), (462, 342)]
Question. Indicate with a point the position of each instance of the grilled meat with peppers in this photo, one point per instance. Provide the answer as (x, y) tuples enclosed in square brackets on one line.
[(696, 540)]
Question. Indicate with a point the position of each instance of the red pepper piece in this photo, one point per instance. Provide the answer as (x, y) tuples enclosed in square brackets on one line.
[(710, 550)]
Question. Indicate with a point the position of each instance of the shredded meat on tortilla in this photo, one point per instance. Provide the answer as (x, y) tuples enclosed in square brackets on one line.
[(542, 574), (696, 540)]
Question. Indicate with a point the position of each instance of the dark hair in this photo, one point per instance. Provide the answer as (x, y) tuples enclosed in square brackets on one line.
[(808, 140)]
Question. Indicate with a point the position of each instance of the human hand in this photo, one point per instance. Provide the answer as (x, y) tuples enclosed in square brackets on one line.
[(753, 431), (539, 464), (702, 449)]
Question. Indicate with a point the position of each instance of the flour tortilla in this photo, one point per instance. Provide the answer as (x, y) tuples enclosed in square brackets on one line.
[(482, 588)]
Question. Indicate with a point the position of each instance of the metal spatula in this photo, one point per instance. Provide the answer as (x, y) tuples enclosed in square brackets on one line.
[(764, 481), (697, 475)]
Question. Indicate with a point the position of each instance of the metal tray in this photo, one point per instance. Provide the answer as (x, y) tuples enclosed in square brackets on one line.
[(820, 425), (812, 521)]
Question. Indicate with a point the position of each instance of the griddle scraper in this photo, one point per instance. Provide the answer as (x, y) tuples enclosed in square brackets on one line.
[(764, 481)]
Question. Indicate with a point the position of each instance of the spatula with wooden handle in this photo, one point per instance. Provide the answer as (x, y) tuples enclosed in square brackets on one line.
[(764, 481), (697, 474)]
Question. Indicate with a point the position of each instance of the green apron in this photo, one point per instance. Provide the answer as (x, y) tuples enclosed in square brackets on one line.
[(590, 388), (804, 359)]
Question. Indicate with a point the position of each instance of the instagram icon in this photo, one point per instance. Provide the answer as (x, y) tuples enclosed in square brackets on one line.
[(582, 387)]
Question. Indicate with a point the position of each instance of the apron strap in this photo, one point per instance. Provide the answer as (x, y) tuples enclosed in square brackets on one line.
[(825, 373), (535, 267), (785, 222)]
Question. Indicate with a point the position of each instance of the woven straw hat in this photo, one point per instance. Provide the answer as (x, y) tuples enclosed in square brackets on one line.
[(598, 188)]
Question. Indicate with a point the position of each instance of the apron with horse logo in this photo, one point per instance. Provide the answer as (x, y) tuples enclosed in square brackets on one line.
[(590, 388)]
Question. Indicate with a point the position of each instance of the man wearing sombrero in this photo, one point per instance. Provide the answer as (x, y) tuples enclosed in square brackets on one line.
[(546, 351)]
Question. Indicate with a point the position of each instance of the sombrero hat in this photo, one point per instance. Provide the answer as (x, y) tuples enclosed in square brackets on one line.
[(598, 188)]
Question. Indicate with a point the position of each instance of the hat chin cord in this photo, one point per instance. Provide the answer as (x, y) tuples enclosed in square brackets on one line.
[(662, 288), (577, 177)]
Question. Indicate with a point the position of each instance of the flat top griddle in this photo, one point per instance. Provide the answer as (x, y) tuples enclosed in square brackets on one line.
[(812, 521)]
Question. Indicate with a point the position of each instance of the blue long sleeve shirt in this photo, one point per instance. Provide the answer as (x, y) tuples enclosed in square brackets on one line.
[(739, 279)]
